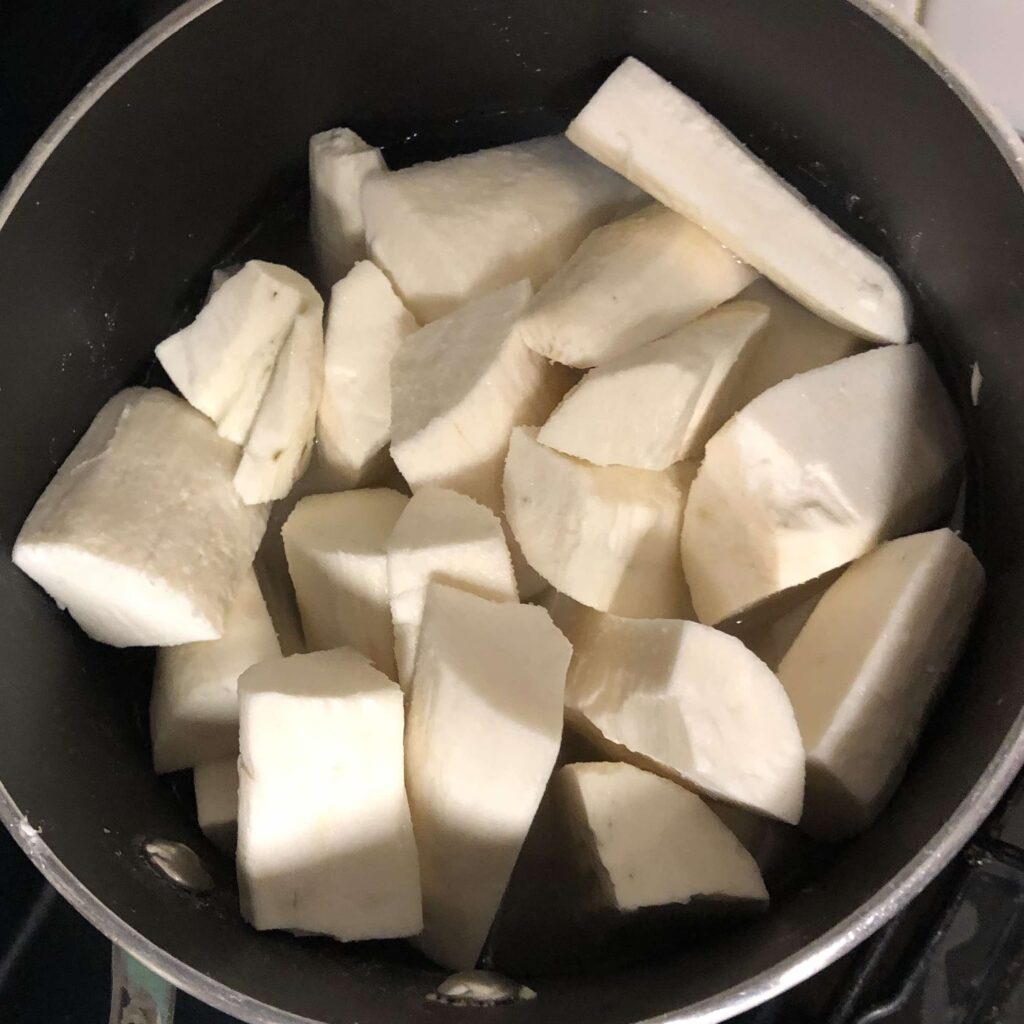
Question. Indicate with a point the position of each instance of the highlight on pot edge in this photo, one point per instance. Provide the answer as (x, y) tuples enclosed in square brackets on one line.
[(608, 429)]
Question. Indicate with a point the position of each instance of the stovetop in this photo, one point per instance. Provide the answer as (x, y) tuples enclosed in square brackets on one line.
[(955, 956)]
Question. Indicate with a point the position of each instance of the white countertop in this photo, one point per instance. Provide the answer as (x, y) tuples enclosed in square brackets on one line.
[(985, 38)]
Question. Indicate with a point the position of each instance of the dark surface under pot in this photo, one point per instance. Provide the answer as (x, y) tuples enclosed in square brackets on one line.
[(44, 943)]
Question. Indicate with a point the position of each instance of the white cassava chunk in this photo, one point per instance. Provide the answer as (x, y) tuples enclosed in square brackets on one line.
[(449, 231), (605, 535), (442, 537), (484, 727), (271, 563), (278, 448), (339, 163), (222, 361), (141, 535), (366, 323), (689, 381), (866, 666), (336, 547), (644, 127), (459, 386), (325, 842), (817, 471), (630, 282), (794, 341), (654, 842), (216, 787), (193, 710), (618, 859), (690, 702)]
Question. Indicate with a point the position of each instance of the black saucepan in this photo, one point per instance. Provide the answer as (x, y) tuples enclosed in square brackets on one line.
[(164, 167)]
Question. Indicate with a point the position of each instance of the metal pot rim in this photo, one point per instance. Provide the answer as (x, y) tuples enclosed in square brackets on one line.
[(793, 970)]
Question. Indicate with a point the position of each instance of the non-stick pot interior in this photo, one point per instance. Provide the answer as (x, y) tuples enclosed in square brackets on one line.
[(167, 173)]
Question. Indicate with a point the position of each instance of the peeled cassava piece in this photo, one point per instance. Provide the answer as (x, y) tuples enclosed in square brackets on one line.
[(692, 703), (605, 535), (222, 361), (450, 231), (485, 721), (325, 842), (442, 537), (689, 380), (366, 323), (794, 341), (817, 471), (629, 282), (655, 843), (618, 862), (216, 788), (459, 386), (644, 127), (339, 163), (866, 666), (193, 710), (336, 546), (271, 563), (141, 535), (278, 448)]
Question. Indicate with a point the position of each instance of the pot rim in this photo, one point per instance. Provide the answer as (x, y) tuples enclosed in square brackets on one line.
[(806, 962)]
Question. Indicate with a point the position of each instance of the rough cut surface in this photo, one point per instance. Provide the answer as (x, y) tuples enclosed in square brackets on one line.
[(366, 323), (794, 341), (278, 448), (619, 859), (459, 386), (866, 666), (325, 842), (605, 535), (655, 843), (450, 231), (816, 472), (336, 545), (692, 703), (223, 360), (442, 537), (485, 722), (644, 127), (141, 535), (339, 163), (629, 282), (690, 381)]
